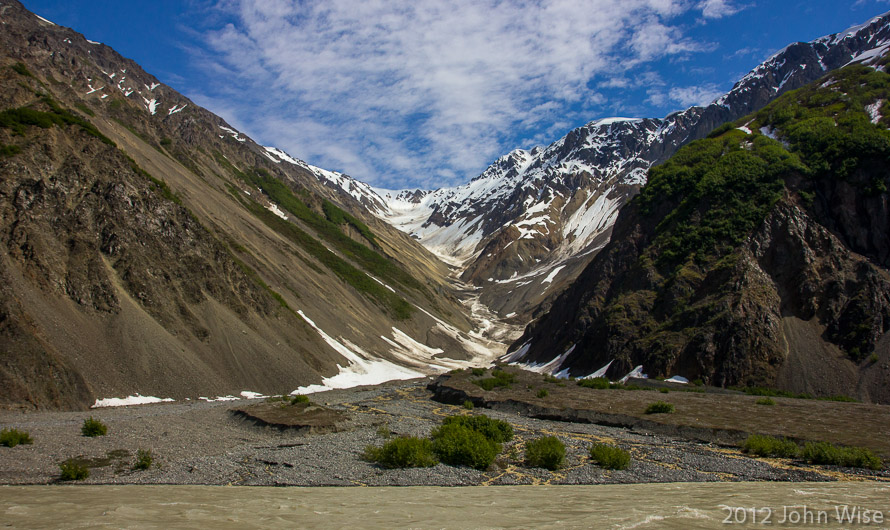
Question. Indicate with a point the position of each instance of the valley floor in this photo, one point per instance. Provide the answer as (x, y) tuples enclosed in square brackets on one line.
[(205, 443)]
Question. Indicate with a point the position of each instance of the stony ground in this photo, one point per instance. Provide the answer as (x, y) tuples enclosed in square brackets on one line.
[(205, 443)]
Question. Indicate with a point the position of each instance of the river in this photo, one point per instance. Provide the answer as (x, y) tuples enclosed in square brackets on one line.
[(662, 506)]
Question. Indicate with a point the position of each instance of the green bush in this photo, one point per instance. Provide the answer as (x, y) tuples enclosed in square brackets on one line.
[(498, 431), (765, 401), (9, 150), (873, 358), (543, 393), (660, 407), (548, 452), (14, 437), (93, 428), (600, 383), (499, 379), (384, 432), (824, 453), (458, 445), (478, 372), (299, 399), (663, 390), (609, 456), (760, 445), (73, 471), (143, 459), (402, 453), (468, 405), (166, 142)]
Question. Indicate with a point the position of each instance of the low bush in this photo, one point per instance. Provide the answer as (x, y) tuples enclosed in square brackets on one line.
[(499, 379), (384, 432), (468, 405), (663, 390), (459, 445), (73, 471), (660, 407), (543, 393), (143, 459), (14, 437), (299, 399), (402, 452), (93, 428), (765, 401), (609, 456), (498, 431), (760, 445), (600, 383), (478, 372), (824, 453), (548, 452)]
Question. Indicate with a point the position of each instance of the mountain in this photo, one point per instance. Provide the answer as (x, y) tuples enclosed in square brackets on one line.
[(150, 248), (530, 223), (755, 257)]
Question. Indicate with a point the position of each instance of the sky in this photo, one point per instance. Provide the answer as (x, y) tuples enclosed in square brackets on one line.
[(404, 94)]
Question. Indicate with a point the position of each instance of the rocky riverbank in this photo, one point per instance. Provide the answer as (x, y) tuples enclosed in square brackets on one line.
[(208, 443)]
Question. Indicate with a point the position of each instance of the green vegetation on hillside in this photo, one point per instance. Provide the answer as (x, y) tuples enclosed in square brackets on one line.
[(18, 120)]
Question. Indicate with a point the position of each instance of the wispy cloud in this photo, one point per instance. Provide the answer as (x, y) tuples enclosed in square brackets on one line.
[(428, 91), (718, 8), (684, 96)]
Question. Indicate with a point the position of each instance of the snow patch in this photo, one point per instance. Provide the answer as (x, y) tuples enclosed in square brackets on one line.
[(135, 399), (176, 108), (550, 277), (360, 368), (45, 20), (277, 211), (677, 379), (874, 111), (151, 105)]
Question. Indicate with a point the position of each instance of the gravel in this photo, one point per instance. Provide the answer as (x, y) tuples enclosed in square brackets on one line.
[(204, 443)]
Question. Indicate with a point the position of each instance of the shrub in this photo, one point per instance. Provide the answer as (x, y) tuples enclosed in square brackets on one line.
[(549, 378), (609, 456), (299, 399), (873, 358), (660, 407), (548, 452), (824, 453), (698, 382), (663, 390), (143, 459), (597, 382), (499, 379), (93, 428), (495, 430), (760, 445), (765, 401), (478, 372), (458, 445), (402, 452), (14, 437), (468, 405), (73, 471), (543, 393), (166, 142)]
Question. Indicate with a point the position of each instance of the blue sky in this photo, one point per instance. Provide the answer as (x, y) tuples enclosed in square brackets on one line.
[(429, 93)]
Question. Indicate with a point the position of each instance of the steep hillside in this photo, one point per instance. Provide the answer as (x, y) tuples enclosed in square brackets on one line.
[(148, 247), (758, 256), (530, 223)]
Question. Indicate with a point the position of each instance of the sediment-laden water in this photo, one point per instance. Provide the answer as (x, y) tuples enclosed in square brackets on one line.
[(662, 506)]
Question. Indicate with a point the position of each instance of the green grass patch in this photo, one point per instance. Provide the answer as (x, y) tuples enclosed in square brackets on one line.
[(478, 372), (499, 379), (468, 405), (548, 452), (770, 446), (660, 407), (92, 428), (402, 452), (765, 401), (609, 456), (543, 393), (9, 150), (18, 120), (14, 437), (86, 110), (21, 69), (600, 383), (824, 453), (299, 398)]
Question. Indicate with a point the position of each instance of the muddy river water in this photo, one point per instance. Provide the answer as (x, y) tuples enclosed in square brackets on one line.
[(680, 506)]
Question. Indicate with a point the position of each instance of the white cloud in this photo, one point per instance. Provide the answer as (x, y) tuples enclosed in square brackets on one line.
[(388, 91), (718, 8), (684, 96)]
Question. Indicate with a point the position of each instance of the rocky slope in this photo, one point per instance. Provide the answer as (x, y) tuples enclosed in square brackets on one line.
[(758, 256), (148, 247), (530, 223)]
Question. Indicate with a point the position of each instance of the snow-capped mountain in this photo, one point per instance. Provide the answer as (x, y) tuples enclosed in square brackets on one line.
[(534, 218)]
